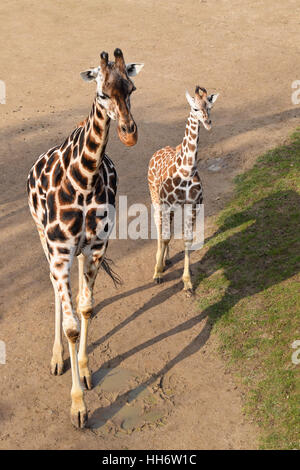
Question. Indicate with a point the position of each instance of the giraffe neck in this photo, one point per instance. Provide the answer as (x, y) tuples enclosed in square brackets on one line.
[(89, 147), (189, 146)]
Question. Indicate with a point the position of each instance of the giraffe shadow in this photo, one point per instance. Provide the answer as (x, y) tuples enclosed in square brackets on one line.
[(25, 242), (159, 298), (253, 260)]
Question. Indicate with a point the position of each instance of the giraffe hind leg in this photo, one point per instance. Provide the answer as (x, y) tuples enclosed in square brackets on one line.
[(186, 277), (163, 224), (57, 361), (88, 267), (159, 266), (167, 261)]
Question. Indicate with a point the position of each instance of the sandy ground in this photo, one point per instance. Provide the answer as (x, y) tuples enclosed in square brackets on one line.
[(159, 380)]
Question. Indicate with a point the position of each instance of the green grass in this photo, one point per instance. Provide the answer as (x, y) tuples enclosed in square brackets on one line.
[(249, 287)]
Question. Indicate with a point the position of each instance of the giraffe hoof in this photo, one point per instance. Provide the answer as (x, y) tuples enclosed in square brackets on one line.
[(57, 366), (79, 418), (189, 293), (86, 381), (158, 280)]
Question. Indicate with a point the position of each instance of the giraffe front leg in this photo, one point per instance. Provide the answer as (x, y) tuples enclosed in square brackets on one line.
[(78, 407), (57, 361), (88, 269), (60, 273)]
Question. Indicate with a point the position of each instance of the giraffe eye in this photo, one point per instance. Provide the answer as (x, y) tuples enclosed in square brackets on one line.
[(103, 97)]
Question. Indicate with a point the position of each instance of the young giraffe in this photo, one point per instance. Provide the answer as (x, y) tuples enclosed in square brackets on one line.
[(69, 188), (174, 181)]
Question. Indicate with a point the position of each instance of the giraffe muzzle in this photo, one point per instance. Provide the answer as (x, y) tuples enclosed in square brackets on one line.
[(128, 134), (207, 124)]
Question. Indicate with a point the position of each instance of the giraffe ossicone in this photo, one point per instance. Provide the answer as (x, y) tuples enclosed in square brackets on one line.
[(174, 181), (66, 186)]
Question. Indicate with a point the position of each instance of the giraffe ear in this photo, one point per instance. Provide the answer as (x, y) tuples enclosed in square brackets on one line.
[(90, 74), (133, 69), (190, 100), (212, 98)]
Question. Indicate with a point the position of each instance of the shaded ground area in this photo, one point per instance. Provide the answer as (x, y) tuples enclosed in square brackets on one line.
[(256, 308), (159, 382)]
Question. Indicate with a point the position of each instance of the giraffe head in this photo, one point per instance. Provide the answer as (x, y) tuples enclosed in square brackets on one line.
[(114, 87), (201, 105)]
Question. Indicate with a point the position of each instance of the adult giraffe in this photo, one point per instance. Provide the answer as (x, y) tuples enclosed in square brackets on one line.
[(69, 188)]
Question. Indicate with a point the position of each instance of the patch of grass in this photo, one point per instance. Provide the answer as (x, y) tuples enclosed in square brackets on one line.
[(249, 287)]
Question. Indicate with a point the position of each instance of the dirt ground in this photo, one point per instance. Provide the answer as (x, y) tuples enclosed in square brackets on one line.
[(160, 382)]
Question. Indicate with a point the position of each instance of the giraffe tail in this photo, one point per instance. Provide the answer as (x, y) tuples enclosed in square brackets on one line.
[(106, 266)]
